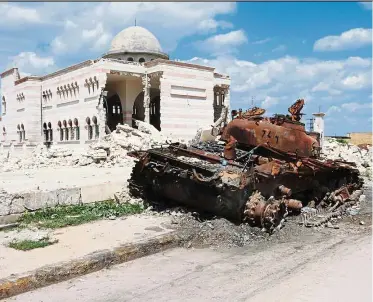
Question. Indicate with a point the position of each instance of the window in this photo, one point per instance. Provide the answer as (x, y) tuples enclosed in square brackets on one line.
[(65, 130), (50, 132), (23, 133), (90, 128), (4, 105), (71, 130), (130, 59), (45, 132), (141, 60), (61, 130), (95, 124), (77, 133)]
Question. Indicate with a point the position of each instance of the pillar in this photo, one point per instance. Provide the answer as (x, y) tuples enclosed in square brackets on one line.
[(101, 114), (318, 126), (146, 89)]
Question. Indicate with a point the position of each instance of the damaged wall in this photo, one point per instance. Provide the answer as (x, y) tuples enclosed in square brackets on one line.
[(186, 100)]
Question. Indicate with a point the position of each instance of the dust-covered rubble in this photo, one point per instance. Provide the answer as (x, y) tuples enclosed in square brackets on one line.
[(334, 150), (111, 150)]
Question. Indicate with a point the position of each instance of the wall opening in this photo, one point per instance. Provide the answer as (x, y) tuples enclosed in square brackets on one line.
[(155, 112), (114, 113)]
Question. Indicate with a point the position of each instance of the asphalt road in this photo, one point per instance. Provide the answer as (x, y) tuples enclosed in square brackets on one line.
[(337, 268)]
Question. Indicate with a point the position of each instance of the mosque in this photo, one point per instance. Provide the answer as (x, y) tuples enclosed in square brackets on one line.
[(134, 80)]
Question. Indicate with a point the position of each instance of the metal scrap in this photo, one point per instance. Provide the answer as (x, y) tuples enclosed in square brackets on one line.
[(266, 169)]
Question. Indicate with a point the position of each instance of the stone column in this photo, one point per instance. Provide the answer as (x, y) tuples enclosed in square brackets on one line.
[(101, 115), (146, 89)]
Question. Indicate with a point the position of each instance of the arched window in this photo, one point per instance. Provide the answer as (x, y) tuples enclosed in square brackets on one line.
[(90, 128), (23, 133), (130, 59), (141, 60), (45, 132), (61, 130), (95, 125), (66, 130), (4, 133), (50, 132), (77, 132), (72, 132), (4, 105)]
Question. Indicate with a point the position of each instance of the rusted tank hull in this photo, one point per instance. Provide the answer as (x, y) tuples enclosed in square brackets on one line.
[(182, 183), (287, 136), (206, 182)]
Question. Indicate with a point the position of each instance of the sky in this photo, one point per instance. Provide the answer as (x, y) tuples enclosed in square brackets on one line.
[(274, 53)]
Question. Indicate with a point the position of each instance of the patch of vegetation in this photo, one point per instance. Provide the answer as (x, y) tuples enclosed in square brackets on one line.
[(62, 216), (342, 141), (26, 245)]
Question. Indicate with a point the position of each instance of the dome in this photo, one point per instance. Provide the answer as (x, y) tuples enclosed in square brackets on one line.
[(136, 39)]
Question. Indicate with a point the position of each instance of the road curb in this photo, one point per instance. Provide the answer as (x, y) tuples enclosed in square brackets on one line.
[(90, 263)]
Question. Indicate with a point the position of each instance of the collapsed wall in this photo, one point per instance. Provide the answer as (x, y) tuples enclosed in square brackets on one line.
[(110, 151), (335, 150)]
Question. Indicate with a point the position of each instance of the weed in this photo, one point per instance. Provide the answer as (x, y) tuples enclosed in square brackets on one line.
[(342, 141), (26, 245), (61, 216)]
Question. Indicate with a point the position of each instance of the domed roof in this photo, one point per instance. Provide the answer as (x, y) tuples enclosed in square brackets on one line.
[(135, 39)]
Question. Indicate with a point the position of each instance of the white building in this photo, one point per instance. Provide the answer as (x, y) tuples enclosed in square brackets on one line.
[(67, 107)]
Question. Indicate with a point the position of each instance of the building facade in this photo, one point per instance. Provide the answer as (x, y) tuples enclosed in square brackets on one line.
[(134, 80)]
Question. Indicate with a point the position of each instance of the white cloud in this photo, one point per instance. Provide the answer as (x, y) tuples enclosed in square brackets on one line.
[(351, 39), (223, 43), (169, 22), (312, 79), (263, 41), (279, 48), (356, 106), (12, 14), (357, 81), (269, 102), (212, 25), (31, 63)]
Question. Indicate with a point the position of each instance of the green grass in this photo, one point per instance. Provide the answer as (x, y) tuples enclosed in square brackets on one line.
[(26, 245), (62, 216), (342, 141)]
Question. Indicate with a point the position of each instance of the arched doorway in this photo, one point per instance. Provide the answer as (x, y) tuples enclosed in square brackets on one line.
[(138, 112), (155, 112), (114, 113)]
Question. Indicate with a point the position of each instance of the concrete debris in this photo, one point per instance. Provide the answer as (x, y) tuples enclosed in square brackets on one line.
[(344, 151), (25, 234), (123, 196), (108, 151)]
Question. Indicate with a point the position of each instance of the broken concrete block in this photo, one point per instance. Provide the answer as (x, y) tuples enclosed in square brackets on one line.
[(69, 196)]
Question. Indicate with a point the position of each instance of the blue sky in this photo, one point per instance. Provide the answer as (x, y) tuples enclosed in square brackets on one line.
[(274, 52)]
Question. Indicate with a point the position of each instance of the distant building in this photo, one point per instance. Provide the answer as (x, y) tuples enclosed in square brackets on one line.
[(358, 138), (66, 107)]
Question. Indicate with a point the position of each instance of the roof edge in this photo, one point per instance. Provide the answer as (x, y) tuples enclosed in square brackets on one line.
[(177, 63)]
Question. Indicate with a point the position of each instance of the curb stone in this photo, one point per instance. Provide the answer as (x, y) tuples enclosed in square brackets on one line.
[(62, 271)]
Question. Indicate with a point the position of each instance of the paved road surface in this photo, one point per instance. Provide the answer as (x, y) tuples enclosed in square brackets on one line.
[(334, 269)]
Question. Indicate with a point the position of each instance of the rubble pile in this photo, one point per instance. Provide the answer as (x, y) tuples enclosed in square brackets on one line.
[(336, 150), (109, 151)]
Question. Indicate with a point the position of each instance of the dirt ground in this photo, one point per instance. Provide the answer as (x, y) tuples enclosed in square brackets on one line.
[(216, 232)]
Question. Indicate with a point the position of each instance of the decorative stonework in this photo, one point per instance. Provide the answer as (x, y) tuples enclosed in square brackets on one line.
[(92, 84), (68, 90), (125, 73), (20, 97), (47, 95)]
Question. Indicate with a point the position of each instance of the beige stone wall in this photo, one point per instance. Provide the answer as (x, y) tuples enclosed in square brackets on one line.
[(358, 138)]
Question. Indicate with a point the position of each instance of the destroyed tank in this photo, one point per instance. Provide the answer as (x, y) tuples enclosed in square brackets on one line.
[(259, 171)]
